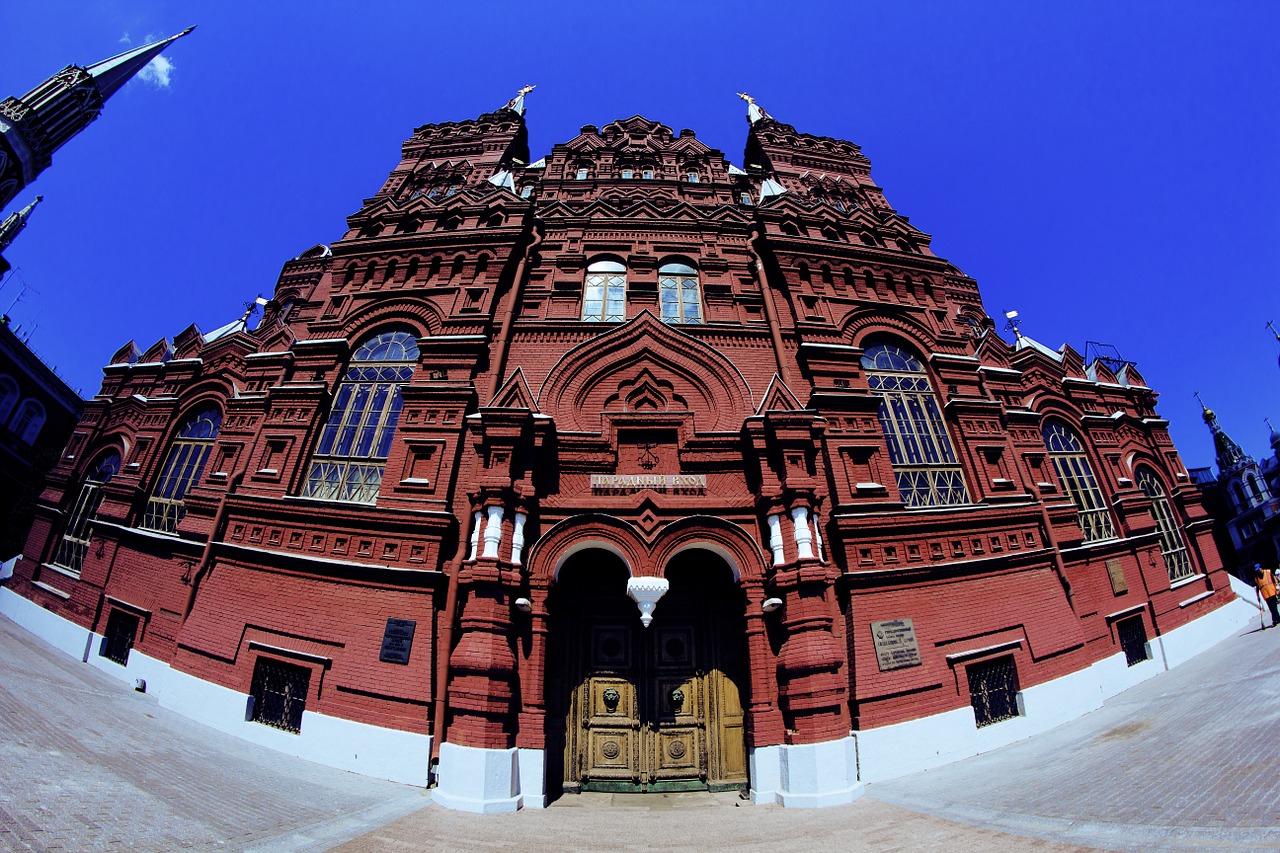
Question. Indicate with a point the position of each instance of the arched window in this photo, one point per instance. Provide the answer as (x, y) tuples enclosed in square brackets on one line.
[(680, 294), (352, 451), (8, 397), (29, 420), (1172, 546), (75, 537), (1076, 476), (604, 298), (1237, 490), (926, 468), (182, 468)]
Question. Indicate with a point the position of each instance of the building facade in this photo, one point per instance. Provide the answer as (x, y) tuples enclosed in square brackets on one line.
[(624, 469)]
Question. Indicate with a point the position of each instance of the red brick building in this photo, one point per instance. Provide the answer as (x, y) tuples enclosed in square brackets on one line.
[(624, 469)]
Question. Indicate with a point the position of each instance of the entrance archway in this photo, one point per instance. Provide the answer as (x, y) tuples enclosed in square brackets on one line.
[(647, 709)]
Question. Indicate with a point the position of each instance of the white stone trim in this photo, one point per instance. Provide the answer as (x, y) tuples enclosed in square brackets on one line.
[(532, 764), (813, 775)]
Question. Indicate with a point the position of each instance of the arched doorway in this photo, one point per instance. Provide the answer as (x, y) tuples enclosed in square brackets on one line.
[(647, 709)]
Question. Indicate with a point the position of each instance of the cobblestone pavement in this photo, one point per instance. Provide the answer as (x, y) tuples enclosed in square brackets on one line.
[(1185, 761), (88, 764)]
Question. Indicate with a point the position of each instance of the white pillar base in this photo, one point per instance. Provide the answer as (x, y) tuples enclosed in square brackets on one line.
[(533, 778), (813, 775), (766, 773), (484, 781)]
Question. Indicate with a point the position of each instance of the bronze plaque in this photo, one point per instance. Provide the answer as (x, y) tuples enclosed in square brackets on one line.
[(1116, 572), (397, 640), (896, 645)]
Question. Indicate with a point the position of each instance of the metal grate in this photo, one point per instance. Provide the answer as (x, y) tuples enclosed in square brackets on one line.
[(279, 694), (117, 640), (1133, 639), (993, 690)]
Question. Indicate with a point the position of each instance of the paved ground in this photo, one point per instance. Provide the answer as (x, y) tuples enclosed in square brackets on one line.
[(1185, 761)]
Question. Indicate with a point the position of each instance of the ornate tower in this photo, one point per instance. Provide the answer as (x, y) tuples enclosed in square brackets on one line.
[(43, 120)]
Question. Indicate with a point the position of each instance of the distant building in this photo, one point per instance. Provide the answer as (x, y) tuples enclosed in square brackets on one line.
[(1244, 498), (626, 469), (37, 413)]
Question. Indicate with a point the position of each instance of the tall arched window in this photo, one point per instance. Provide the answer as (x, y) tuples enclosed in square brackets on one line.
[(1076, 476), (926, 468), (352, 451), (75, 537), (8, 397), (29, 420), (1172, 546), (680, 294), (182, 469), (604, 298)]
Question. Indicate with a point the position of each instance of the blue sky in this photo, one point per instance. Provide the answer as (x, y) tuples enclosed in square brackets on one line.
[(1108, 169)]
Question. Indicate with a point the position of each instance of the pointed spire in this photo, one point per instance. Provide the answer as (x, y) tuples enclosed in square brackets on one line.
[(46, 118), (1229, 455), (1275, 437), (111, 74), (15, 222), (516, 104)]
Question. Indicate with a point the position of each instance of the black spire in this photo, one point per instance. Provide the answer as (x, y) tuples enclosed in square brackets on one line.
[(43, 120)]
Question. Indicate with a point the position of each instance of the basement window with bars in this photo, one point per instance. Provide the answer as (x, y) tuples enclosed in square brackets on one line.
[(182, 469), (993, 690), (117, 639), (351, 454), (279, 694), (74, 543), (1133, 640), (924, 463)]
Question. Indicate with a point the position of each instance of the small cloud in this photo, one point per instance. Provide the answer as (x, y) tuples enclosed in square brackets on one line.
[(125, 40), (158, 72)]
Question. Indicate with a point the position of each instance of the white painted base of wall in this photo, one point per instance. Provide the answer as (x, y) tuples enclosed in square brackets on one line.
[(484, 781), (359, 747), (533, 778), (898, 750), (814, 775), (766, 773)]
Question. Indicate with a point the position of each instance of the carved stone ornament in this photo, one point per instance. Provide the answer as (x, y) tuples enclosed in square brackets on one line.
[(676, 749), (645, 592), (610, 749)]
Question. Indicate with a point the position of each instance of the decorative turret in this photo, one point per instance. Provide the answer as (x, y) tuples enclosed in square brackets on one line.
[(11, 227), (1275, 437), (1230, 457), (43, 120)]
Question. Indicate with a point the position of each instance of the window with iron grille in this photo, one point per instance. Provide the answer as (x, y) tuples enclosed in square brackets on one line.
[(1172, 546), (924, 463), (1133, 639), (74, 543), (1076, 476), (993, 690), (279, 694), (182, 469), (117, 640), (351, 454)]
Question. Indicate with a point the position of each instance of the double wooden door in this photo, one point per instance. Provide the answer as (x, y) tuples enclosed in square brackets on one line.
[(658, 708)]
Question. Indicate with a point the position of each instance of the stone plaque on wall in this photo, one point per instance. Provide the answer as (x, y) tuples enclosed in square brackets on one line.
[(397, 640), (895, 643), (1116, 572)]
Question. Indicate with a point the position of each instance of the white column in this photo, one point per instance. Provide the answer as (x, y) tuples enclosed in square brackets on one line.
[(804, 536), (475, 535), (517, 538), (817, 536), (493, 533), (775, 538)]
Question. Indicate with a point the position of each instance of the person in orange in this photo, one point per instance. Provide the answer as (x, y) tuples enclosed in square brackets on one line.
[(1265, 580)]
